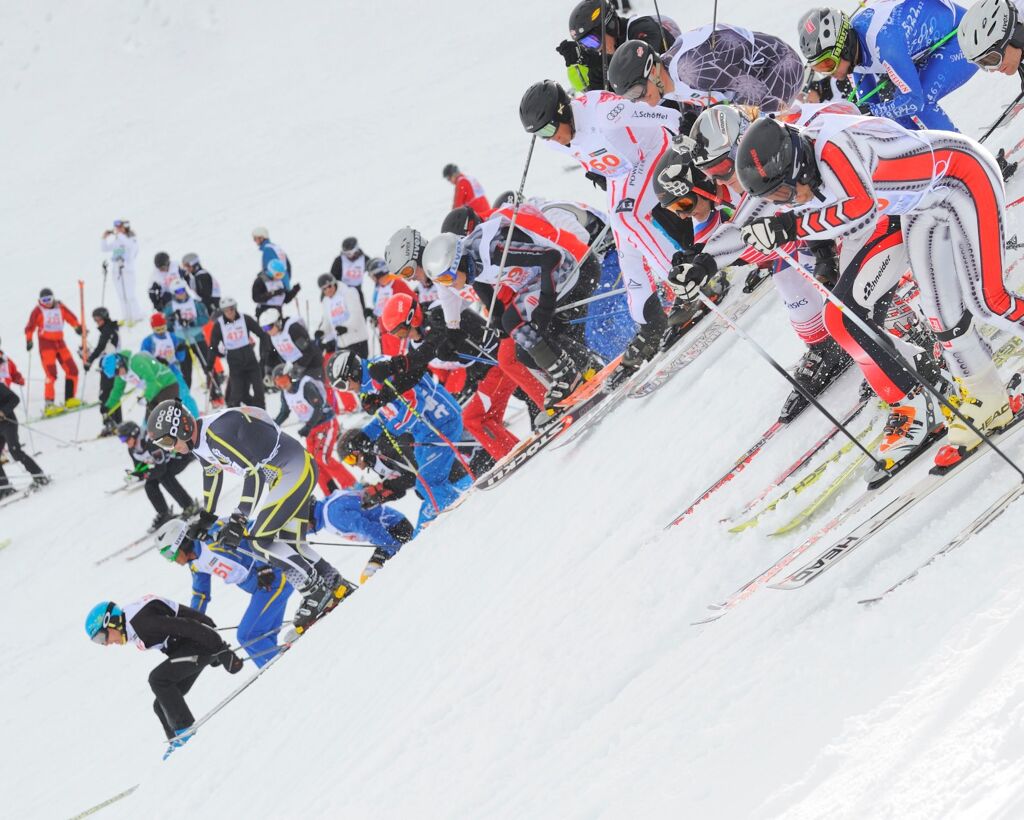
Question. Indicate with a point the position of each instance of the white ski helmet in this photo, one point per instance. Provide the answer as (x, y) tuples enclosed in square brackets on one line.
[(404, 252), (441, 257), (269, 317), (985, 31), (260, 232), (716, 133)]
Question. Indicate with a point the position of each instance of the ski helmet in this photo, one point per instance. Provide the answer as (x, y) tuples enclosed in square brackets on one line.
[(441, 258), (826, 37), (985, 31), (503, 199), (325, 280), (158, 320), (113, 362), (127, 430), (353, 442), (228, 303), (460, 221), (630, 68), (715, 134), (678, 182), (772, 155), (349, 244), (179, 288), (282, 376), (162, 260), (260, 233), (585, 22), (404, 252), (46, 297), (105, 615), (170, 423), (344, 367), (377, 267), (171, 537), (190, 259), (271, 317), (101, 313), (544, 107), (400, 309), (450, 170), (277, 269)]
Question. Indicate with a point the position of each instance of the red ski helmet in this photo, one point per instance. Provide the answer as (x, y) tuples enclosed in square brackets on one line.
[(400, 309)]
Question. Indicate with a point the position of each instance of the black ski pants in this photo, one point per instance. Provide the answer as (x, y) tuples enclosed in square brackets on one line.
[(171, 681), (9, 436), (166, 476), (106, 385), (245, 384)]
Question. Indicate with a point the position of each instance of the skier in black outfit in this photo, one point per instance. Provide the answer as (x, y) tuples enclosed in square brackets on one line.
[(202, 282), (109, 342), (233, 331), (9, 436), (157, 468), (183, 634)]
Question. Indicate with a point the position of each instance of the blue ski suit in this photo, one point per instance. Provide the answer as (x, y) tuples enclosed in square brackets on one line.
[(342, 513)]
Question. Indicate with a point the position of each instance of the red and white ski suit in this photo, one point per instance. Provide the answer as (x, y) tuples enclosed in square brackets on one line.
[(49, 323)]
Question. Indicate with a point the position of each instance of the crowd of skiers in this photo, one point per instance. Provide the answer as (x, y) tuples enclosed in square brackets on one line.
[(832, 168)]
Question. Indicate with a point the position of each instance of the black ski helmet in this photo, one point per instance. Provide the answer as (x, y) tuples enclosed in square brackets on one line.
[(170, 423), (354, 441), (450, 170), (345, 366), (325, 279), (162, 260), (45, 292), (772, 154), (128, 429), (629, 68), (349, 244), (675, 176), (503, 199), (585, 19), (101, 313), (544, 103), (460, 221)]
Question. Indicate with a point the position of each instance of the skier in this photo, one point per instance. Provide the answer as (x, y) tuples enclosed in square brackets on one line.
[(342, 513), (9, 373), (234, 331), (9, 436), (187, 638), (47, 319), (157, 468), (343, 324), (306, 397), (270, 252), (202, 282), (992, 37), (292, 343), (350, 267), (186, 316), (246, 443), (386, 286), (122, 245), (108, 342), (428, 414), (621, 142), (889, 43), (158, 382), (266, 585), (950, 194), (167, 273), (704, 66), (468, 191), (590, 39), (171, 350)]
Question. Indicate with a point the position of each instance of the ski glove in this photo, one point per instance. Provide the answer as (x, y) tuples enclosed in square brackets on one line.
[(28, 344), (372, 402), (265, 578), (543, 313), (770, 232), (687, 278), (374, 495), (229, 660), (198, 528), (234, 530)]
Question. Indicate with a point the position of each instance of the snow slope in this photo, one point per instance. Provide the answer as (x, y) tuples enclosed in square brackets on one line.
[(532, 654)]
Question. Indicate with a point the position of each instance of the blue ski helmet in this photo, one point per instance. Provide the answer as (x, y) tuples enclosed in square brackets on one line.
[(277, 269), (101, 616), (110, 364)]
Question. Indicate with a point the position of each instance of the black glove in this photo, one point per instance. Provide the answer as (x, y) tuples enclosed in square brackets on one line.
[(78, 330), (265, 578), (687, 278), (822, 87), (374, 495), (543, 313), (341, 330), (570, 51), (389, 368), (232, 533), (291, 294), (86, 365), (229, 660), (198, 528), (372, 402), (599, 180), (28, 344), (770, 232), (369, 315), (885, 94), (826, 262)]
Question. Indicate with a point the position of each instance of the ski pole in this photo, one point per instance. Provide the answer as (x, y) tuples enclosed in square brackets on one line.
[(78, 421), (357, 544), (1003, 116), (858, 101), (579, 264), (433, 429), (59, 440), (803, 391), (589, 299), (103, 292), (467, 357), (664, 42), (408, 464), (604, 51), (895, 357), (28, 386), (583, 319)]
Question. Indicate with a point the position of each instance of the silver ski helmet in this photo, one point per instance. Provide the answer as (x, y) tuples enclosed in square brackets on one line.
[(985, 31), (773, 156), (826, 38), (441, 258), (170, 423), (716, 133), (404, 252), (678, 182)]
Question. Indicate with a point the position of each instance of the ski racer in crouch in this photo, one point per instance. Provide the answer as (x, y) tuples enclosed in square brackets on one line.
[(246, 443), (158, 469), (425, 414), (266, 585), (703, 66), (592, 38), (184, 635), (620, 141), (950, 194), (342, 513)]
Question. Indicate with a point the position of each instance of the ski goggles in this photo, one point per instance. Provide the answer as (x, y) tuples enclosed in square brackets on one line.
[(46, 301), (351, 459), (180, 292), (121, 223), (100, 637), (165, 442), (407, 270), (328, 286), (125, 439), (548, 131), (590, 41), (684, 205), (826, 64), (446, 278), (721, 170), (991, 59)]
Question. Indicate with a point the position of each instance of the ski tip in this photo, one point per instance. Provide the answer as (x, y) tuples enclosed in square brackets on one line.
[(869, 601)]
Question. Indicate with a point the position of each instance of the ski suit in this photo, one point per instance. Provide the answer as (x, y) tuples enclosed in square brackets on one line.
[(9, 435), (893, 36), (307, 399), (735, 64), (622, 142), (162, 283), (390, 344), (270, 251), (186, 317), (187, 638), (109, 342), (49, 323), (9, 373), (342, 514), (238, 566), (170, 349), (470, 193), (123, 249), (343, 322), (158, 468), (158, 382), (245, 376)]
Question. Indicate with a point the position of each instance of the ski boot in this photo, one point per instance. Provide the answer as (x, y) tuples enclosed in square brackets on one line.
[(565, 378), (320, 597), (50, 410), (160, 519), (822, 363), (176, 742), (988, 405), (72, 403), (1007, 169), (40, 480), (191, 510), (376, 561), (6, 492), (755, 278), (912, 425)]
